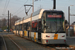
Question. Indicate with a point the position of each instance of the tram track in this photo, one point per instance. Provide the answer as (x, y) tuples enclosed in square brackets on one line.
[(53, 46), (4, 43), (10, 44), (28, 44), (15, 43)]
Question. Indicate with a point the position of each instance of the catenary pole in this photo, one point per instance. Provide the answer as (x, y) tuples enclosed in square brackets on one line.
[(8, 20), (69, 20), (33, 6)]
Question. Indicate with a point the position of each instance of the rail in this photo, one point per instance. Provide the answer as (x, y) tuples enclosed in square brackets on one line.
[(4, 43), (15, 43)]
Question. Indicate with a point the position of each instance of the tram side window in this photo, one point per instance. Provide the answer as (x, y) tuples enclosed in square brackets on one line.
[(25, 26), (15, 28), (21, 27), (34, 27), (28, 27)]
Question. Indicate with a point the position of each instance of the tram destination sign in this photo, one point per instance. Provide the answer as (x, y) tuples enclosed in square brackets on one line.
[(54, 16)]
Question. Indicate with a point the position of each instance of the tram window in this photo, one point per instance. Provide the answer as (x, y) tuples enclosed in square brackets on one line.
[(25, 26), (20, 26), (15, 27), (34, 27), (28, 28)]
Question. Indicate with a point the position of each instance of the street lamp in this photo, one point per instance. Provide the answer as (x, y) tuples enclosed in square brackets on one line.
[(69, 18)]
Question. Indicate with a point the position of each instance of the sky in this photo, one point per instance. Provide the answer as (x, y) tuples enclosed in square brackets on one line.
[(16, 7)]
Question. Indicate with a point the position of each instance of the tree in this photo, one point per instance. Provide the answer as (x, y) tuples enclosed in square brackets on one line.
[(3, 23), (0, 23), (4, 20), (14, 19)]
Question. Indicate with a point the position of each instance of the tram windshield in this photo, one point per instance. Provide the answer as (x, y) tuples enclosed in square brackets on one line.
[(54, 22)]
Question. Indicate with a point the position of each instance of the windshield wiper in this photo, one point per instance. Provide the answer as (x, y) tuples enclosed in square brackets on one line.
[(58, 30)]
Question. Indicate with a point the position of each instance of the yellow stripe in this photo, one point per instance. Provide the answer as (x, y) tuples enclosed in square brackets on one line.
[(25, 33), (35, 36), (55, 36)]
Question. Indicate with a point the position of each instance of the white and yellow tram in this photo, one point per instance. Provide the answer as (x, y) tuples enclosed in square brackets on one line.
[(43, 26)]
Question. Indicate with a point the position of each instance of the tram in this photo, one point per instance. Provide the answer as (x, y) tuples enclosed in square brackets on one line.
[(43, 26)]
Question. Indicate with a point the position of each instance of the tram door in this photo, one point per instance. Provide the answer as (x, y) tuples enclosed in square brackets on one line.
[(39, 31), (28, 34), (28, 29), (39, 36)]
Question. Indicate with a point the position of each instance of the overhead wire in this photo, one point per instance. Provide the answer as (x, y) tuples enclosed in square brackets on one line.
[(19, 8), (20, 11), (6, 5)]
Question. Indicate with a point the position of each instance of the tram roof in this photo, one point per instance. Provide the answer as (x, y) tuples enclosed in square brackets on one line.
[(54, 11), (36, 12), (40, 11)]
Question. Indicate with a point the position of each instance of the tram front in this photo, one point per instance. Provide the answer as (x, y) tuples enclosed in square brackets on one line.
[(53, 27)]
